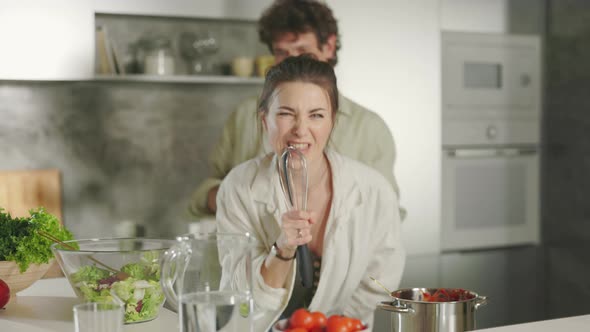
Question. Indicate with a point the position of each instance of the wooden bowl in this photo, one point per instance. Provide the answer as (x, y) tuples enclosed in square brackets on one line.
[(10, 273)]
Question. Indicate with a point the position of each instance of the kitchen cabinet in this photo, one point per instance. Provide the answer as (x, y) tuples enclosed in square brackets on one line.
[(218, 9), (204, 79), (512, 279), (421, 271), (195, 50)]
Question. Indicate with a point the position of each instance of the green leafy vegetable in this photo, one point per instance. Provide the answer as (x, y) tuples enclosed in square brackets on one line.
[(89, 273), (135, 270), (140, 292), (20, 242)]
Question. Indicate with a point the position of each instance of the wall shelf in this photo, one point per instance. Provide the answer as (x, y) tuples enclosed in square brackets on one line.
[(205, 79)]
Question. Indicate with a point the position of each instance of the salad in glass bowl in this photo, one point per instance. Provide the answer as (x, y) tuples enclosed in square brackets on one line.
[(116, 270)]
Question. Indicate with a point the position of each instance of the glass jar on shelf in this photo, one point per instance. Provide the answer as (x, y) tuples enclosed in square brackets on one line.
[(159, 57)]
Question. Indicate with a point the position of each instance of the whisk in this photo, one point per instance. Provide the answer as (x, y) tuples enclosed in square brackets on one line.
[(292, 166)]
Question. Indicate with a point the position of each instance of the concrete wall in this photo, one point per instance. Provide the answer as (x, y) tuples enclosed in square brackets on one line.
[(127, 151), (565, 165)]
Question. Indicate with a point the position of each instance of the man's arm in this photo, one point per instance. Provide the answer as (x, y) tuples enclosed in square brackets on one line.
[(238, 143), (204, 197)]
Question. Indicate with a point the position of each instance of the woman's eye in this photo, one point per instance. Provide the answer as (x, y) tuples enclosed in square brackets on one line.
[(284, 114), (317, 116)]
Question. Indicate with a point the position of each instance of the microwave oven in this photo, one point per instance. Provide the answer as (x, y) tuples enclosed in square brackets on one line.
[(490, 83)]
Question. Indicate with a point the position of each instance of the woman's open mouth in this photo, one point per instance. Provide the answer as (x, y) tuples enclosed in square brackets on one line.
[(303, 147)]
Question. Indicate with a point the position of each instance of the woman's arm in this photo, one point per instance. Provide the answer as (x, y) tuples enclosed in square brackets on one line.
[(236, 213), (295, 231)]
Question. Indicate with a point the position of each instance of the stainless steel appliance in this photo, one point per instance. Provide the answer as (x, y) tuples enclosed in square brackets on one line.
[(411, 312), (490, 135)]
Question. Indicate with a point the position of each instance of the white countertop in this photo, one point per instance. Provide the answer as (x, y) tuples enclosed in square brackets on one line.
[(46, 306), (569, 324)]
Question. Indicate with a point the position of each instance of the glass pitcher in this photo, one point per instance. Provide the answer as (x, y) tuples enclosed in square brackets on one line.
[(208, 277)]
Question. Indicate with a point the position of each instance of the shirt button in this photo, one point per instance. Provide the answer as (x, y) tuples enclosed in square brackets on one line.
[(316, 264)]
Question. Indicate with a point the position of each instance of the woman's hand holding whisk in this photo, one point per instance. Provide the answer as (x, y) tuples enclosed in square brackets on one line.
[(296, 230)]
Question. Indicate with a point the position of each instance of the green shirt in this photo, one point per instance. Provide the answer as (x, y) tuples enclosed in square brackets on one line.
[(358, 133)]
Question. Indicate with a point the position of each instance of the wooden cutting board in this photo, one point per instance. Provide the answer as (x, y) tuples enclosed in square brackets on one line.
[(23, 190)]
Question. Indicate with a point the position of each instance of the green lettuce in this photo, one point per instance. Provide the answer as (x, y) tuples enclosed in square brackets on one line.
[(89, 273), (20, 241), (140, 293)]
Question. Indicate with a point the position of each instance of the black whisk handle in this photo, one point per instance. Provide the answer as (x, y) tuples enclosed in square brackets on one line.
[(305, 265)]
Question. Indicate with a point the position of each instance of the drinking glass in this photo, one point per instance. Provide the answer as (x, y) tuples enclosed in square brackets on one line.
[(208, 277), (98, 317)]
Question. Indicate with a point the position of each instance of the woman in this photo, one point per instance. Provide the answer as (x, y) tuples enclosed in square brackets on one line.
[(352, 223)]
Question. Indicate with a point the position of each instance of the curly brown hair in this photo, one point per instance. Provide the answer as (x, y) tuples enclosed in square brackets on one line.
[(298, 16)]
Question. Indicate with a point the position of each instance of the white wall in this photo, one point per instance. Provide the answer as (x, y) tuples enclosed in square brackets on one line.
[(46, 39), (390, 62), (474, 15), (54, 40)]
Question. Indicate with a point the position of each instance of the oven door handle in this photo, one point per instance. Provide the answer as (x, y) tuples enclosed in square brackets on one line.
[(483, 153)]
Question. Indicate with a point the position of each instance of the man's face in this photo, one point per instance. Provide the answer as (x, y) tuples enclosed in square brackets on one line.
[(292, 44)]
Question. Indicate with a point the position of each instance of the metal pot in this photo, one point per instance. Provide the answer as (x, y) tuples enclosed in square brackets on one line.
[(411, 313)]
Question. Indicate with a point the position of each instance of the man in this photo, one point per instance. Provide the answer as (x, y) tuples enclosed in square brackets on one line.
[(291, 28)]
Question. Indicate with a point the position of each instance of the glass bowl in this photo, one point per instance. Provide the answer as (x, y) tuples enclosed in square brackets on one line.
[(125, 271)]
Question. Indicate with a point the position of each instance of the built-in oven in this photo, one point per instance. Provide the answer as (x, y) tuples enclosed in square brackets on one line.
[(490, 133), (491, 197)]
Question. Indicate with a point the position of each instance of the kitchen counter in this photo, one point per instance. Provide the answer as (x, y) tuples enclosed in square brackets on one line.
[(569, 324), (46, 306)]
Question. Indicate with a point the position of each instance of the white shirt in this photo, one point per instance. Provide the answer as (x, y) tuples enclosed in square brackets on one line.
[(362, 236), (358, 133)]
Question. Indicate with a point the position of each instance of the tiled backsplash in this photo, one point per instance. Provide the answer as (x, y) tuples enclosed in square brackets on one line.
[(127, 151)]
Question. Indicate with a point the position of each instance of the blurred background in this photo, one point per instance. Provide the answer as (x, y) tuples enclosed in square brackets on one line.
[(487, 101)]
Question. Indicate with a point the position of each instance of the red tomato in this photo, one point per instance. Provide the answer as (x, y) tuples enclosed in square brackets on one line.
[(337, 323), (317, 329), (357, 325), (297, 329), (319, 319), (349, 323), (301, 318), (4, 293)]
